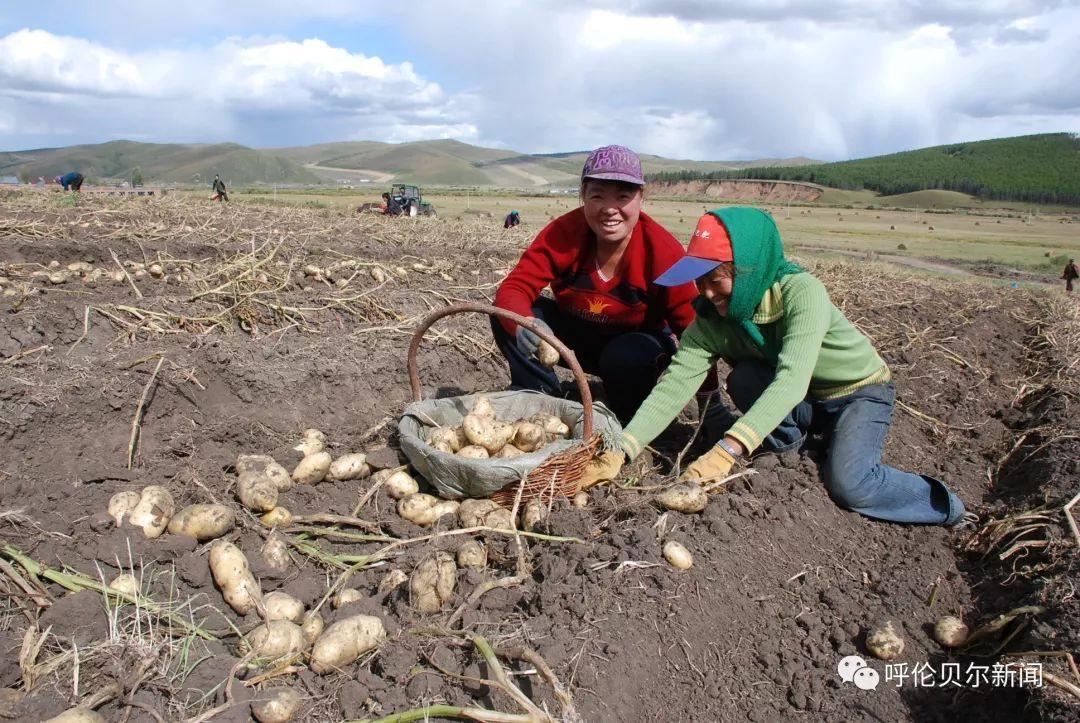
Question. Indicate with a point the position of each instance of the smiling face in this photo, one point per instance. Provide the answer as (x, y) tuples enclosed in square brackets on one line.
[(612, 209), (716, 286)]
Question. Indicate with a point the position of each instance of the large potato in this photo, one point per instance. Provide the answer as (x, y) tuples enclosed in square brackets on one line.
[(256, 485), (432, 583), (154, 510), (487, 432), (278, 605), (688, 498), (312, 468), (345, 641), (482, 408), (277, 517), (261, 465), (400, 484), (423, 509), (275, 639), (444, 439), (121, 504), (472, 554), (233, 575), (528, 437), (202, 522), (484, 513), (349, 466), (275, 705)]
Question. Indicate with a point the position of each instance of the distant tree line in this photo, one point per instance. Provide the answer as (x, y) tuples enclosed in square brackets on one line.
[(1036, 169)]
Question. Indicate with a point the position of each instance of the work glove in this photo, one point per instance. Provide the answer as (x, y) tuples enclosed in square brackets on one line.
[(709, 467), (605, 467), (528, 342)]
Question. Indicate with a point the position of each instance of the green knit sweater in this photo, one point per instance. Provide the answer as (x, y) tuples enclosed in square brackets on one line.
[(820, 352)]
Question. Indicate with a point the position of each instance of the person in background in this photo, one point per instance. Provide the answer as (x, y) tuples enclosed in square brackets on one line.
[(1070, 274), (72, 181), (220, 194), (795, 361), (599, 261), (512, 219)]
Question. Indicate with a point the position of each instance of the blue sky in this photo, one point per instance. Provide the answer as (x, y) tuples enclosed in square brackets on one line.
[(703, 79)]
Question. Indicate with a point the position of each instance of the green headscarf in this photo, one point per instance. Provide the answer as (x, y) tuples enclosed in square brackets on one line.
[(759, 263)]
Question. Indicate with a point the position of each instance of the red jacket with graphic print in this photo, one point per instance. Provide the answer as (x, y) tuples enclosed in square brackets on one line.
[(563, 256)]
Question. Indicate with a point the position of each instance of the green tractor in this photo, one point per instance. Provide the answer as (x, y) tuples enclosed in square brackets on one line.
[(411, 201)]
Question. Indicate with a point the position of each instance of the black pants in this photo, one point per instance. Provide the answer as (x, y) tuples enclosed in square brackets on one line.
[(76, 183), (628, 364)]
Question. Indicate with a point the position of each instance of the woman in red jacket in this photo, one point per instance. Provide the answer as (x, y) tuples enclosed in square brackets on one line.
[(599, 261)]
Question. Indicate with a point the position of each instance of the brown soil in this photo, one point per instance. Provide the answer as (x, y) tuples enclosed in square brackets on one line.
[(784, 583), (747, 190)]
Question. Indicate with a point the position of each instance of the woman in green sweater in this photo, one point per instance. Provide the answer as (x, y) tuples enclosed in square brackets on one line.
[(795, 360)]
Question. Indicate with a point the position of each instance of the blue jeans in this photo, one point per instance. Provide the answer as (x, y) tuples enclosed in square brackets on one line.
[(628, 364), (856, 425)]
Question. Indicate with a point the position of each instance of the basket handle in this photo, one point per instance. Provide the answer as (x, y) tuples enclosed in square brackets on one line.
[(527, 322)]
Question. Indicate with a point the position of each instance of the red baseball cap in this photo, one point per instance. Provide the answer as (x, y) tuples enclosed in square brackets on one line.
[(709, 247)]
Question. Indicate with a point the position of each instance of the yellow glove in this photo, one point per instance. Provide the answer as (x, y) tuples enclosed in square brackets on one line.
[(602, 468), (709, 467)]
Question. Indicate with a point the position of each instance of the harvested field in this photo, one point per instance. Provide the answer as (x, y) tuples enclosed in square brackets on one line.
[(189, 333)]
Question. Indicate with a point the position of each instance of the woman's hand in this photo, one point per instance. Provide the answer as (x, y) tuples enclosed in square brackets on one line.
[(711, 466), (605, 467)]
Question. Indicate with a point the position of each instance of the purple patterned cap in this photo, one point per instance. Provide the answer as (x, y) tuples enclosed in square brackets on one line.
[(613, 163)]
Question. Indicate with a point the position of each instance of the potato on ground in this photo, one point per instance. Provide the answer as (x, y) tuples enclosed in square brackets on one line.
[(391, 581), (884, 642), (125, 583), (312, 469), (349, 466), (432, 583), (484, 513), (275, 705), (423, 509), (202, 522), (262, 465), (345, 641), (472, 554), (278, 605), (312, 626), (399, 483), (688, 498), (233, 576), (154, 510), (677, 555), (275, 553), (78, 715), (275, 639), (121, 505)]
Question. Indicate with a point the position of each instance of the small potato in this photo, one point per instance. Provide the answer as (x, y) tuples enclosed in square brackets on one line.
[(688, 498), (401, 484), (884, 642), (547, 355), (532, 514), (482, 408), (282, 606), (310, 446), (529, 437), (391, 581), (581, 499), (262, 465), (345, 641), (312, 469), (349, 466), (347, 596), (432, 583), (275, 705), (950, 631), (276, 639), (507, 452), (677, 555), (472, 554), (312, 433), (78, 715), (255, 487), (202, 522), (554, 426), (473, 451), (275, 553), (277, 517), (156, 270), (154, 510), (232, 574), (484, 513), (312, 626), (424, 509), (121, 504), (125, 583), (446, 437)]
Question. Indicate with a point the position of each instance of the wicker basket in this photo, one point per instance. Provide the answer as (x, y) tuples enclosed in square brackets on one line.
[(560, 474)]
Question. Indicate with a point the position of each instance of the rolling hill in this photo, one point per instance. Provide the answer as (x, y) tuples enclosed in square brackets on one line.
[(1038, 168)]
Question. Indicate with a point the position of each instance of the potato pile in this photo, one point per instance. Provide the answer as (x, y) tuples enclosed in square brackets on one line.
[(154, 510), (55, 274), (482, 435)]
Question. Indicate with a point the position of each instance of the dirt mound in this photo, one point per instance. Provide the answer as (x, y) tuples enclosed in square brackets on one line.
[(273, 320), (747, 190)]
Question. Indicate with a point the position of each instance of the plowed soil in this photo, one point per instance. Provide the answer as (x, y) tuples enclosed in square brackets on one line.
[(256, 349)]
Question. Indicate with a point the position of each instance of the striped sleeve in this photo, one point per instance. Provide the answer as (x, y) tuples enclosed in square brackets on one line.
[(684, 375), (807, 314)]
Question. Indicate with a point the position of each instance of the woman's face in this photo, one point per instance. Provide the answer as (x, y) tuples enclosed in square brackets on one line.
[(716, 286), (612, 209)]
